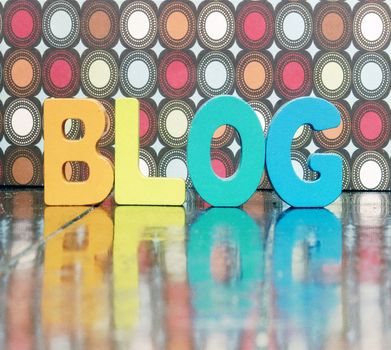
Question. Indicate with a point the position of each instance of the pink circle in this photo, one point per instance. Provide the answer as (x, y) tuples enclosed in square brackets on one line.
[(255, 26), (371, 125), (144, 123), (177, 74), (22, 24), (293, 75), (219, 168), (61, 73)]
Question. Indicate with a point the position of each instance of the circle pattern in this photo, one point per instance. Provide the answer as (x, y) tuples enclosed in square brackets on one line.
[(148, 123), (23, 166), (174, 123), (371, 125), (264, 114), (22, 23), (255, 25), (332, 76), (147, 164), (254, 75), (61, 23), (61, 73), (177, 74), (371, 76), (371, 26), (333, 25), (99, 23), (216, 25), (22, 72), (370, 171), (173, 164), (178, 25), (294, 26), (138, 24), (222, 163), (216, 74), (138, 74), (22, 122), (99, 74), (293, 76), (338, 137)]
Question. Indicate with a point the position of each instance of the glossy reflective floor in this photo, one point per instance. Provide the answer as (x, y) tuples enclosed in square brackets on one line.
[(264, 277)]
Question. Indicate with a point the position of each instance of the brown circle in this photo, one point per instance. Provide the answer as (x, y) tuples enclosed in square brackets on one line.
[(23, 170), (220, 132), (254, 75), (99, 24), (22, 73), (333, 26), (177, 25)]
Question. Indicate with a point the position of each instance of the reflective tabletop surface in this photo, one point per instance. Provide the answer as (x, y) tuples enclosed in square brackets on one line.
[(260, 277)]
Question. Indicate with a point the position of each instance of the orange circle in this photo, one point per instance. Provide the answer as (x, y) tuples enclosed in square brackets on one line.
[(254, 75), (22, 73), (23, 170), (177, 25), (334, 133), (99, 24), (220, 132), (332, 26)]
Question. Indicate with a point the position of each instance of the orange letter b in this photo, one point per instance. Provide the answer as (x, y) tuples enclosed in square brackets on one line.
[(59, 150)]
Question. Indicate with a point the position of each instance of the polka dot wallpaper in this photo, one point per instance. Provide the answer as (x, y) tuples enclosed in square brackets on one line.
[(174, 55)]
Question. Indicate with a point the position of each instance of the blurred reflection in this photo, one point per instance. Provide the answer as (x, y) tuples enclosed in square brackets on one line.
[(367, 273), (149, 267), (75, 296), (163, 278), (225, 266), (307, 266)]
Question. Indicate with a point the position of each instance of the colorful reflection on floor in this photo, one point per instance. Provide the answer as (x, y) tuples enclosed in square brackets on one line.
[(261, 277)]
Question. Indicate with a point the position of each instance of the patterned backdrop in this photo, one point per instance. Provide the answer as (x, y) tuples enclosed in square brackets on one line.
[(175, 55)]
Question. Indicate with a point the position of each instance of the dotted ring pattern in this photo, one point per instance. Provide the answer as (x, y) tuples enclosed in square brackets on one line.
[(282, 39), (189, 37), (378, 159), (268, 16), (188, 61), (384, 135), (108, 89), (227, 38), (170, 156), (72, 36), (228, 85), (343, 138), (384, 86), (151, 134), (110, 10), (264, 111), (126, 12), (34, 10), (72, 87), (320, 15), (381, 41), (9, 131), (31, 88), (12, 154), (150, 161), (167, 109), (305, 63), (344, 88), (130, 89), (267, 85)]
